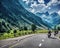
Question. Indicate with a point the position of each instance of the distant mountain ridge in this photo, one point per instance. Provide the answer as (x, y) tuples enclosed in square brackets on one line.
[(51, 19)]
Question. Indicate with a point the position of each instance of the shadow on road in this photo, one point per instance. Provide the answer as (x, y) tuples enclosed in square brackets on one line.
[(53, 38)]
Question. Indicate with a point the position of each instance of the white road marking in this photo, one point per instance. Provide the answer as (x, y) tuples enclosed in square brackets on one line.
[(42, 40), (40, 44)]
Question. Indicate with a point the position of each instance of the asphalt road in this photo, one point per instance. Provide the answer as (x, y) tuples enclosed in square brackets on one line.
[(36, 41)]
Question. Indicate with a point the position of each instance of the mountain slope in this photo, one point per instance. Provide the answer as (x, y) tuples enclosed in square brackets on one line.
[(15, 15), (50, 19)]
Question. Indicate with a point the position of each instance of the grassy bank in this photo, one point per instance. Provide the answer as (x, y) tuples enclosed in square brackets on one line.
[(18, 33)]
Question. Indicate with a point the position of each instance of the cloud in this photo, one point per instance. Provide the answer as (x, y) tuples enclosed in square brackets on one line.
[(34, 4), (33, 10), (38, 7), (52, 2), (59, 12), (25, 0), (41, 1), (41, 7)]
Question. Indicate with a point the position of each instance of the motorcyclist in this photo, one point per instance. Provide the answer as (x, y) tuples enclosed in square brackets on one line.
[(49, 33), (55, 32)]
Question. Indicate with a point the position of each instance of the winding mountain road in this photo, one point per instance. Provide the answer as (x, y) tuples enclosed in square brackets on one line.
[(31, 41)]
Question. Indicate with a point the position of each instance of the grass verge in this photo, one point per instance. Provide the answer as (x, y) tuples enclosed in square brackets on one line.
[(19, 33)]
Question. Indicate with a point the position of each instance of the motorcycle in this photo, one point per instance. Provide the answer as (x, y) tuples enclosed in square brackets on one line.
[(49, 34), (56, 32)]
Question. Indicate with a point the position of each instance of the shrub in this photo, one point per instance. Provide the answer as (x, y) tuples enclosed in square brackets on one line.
[(25, 28), (15, 31), (33, 27)]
